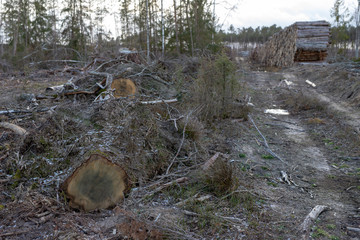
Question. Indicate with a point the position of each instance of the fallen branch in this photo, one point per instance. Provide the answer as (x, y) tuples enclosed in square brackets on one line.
[(181, 143), (109, 78), (267, 148), (7, 112), (159, 101), (13, 233), (18, 130), (176, 181), (166, 185), (310, 218), (158, 79), (353, 229), (194, 198), (63, 61), (310, 83), (210, 162)]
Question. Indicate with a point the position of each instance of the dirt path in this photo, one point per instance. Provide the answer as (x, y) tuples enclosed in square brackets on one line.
[(313, 163), (351, 115)]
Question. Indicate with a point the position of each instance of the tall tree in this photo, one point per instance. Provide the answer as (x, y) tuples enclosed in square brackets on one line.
[(202, 22), (162, 30), (54, 34), (40, 24), (147, 32), (342, 19), (357, 37), (11, 20), (100, 32), (125, 14), (24, 23), (176, 31), (75, 31)]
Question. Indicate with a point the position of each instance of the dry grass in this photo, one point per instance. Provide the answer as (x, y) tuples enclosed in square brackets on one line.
[(299, 102), (194, 128), (316, 121)]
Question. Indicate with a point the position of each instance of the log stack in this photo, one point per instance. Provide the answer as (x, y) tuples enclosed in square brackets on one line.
[(312, 41), (300, 42)]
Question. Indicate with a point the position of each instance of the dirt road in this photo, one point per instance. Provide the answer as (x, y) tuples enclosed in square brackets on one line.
[(318, 143)]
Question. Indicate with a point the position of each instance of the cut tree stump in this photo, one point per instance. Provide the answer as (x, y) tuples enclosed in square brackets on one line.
[(97, 184), (124, 87)]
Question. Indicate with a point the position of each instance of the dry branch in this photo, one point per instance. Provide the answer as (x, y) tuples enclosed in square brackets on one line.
[(57, 61), (210, 162), (18, 130), (13, 111), (159, 101), (310, 218), (181, 144), (166, 185), (158, 79), (267, 148), (353, 229), (109, 78), (176, 181)]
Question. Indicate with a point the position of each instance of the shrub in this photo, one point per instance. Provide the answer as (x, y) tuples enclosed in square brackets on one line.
[(216, 87), (220, 179)]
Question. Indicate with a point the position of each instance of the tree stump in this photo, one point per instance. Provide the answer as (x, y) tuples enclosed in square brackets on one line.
[(97, 184), (123, 87)]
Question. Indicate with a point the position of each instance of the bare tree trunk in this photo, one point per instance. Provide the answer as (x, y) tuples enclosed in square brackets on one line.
[(15, 41), (357, 18), (147, 32), (212, 35), (153, 28), (176, 30), (190, 27), (162, 30), (1, 37)]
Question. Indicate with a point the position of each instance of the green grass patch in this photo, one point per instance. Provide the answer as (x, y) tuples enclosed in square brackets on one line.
[(267, 156)]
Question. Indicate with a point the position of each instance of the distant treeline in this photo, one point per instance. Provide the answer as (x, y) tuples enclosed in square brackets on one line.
[(249, 35), (340, 36)]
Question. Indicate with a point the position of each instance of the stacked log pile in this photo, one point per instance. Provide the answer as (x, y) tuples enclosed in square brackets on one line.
[(279, 50), (302, 41), (312, 41)]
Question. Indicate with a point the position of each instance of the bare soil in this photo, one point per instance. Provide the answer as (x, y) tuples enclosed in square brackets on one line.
[(317, 144)]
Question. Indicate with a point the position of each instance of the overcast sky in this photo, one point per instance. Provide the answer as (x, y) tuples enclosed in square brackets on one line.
[(280, 12)]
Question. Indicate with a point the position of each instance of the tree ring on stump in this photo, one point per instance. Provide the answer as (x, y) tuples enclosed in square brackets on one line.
[(97, 184), (124, 87)]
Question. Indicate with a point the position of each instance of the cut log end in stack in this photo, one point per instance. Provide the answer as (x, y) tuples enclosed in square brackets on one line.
[(312, 41), (309, 56), (300, 42), (279, 51)]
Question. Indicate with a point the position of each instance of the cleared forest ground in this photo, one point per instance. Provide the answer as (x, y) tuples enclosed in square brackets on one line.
[(173, 197)]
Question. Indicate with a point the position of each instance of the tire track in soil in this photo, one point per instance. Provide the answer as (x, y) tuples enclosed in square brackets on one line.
[(308, 163)]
